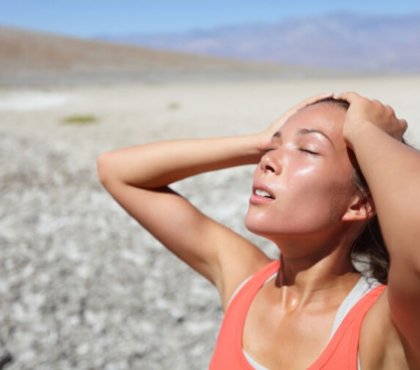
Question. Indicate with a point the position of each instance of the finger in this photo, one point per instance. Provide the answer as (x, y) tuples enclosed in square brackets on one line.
[(349, 96), (378, 102), (313, 99), (304, 103), (404, 124), (390, 109)]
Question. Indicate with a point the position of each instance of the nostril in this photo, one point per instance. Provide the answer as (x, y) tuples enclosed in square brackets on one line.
[(267, 164), (269, 168)]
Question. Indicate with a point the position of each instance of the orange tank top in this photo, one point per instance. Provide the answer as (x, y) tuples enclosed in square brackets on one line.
[(340, 354)]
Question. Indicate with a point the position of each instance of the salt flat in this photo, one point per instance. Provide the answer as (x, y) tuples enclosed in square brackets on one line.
[(82, 285)]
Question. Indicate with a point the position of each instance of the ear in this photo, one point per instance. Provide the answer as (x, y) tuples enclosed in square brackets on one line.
[(361, 208)]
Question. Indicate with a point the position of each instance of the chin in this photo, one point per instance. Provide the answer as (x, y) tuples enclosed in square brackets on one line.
[(249, 223), (275, 230), (258, 227)]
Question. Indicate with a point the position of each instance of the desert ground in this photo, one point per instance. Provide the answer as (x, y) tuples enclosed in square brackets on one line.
[(82, 285)]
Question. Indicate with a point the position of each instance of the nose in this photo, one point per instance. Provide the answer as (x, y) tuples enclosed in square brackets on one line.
[(270, 163)]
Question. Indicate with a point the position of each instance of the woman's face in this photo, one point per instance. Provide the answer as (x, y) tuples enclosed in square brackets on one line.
[(303, 184)]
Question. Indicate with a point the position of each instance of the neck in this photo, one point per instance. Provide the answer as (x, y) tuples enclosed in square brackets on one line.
[(313, 274), (307, 275)]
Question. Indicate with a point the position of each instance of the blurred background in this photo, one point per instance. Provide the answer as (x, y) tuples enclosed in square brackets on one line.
[(82, 286)]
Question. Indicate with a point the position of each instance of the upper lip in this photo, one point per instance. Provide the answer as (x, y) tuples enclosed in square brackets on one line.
[(266, 188)]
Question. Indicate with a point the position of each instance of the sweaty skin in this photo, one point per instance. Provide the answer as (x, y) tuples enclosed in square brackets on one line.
[(307, 170), (305, 202)]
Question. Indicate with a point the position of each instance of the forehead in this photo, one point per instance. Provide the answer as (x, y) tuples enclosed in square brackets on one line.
[(325, 117)]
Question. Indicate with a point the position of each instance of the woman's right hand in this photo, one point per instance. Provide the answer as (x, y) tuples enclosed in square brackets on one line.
[(268, 133)]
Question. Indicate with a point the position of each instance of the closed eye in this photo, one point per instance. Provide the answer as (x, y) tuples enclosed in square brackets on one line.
[(308, 151)]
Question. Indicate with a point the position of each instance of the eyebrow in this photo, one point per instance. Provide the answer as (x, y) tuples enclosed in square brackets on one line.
[(306, 131)]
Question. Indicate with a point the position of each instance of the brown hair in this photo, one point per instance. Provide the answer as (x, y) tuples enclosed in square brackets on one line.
[(369, 247)]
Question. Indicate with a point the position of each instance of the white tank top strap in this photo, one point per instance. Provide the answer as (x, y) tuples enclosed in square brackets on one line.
[(242, 284), (363, 286)]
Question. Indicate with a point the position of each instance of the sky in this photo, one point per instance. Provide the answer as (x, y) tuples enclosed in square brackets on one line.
[(87, 18)]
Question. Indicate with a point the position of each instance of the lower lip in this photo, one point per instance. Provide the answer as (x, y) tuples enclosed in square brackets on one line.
[(256, 199)]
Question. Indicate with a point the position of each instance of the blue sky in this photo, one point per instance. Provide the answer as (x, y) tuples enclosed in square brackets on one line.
[(91, 17)]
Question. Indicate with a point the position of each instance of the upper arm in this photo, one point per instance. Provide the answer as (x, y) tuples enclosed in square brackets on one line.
[(392, 171), (404, 306), (403, 292), (380, 345), (215, 251)]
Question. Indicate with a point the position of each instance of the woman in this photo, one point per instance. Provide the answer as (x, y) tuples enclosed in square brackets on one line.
[(312, 308)]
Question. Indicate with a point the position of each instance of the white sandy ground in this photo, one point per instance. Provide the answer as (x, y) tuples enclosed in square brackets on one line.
[(31, 101), (82, 287)]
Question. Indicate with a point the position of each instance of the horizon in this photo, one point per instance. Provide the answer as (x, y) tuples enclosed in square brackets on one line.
[(83, 19)]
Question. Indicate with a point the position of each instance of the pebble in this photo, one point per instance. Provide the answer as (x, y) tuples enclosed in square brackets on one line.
[(82, 287)]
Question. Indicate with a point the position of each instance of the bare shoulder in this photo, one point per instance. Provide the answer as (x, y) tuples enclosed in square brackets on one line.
[(380, 345), (238, 261)]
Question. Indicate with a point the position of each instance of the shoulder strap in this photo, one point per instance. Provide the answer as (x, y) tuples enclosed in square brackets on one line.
[(228, 353)]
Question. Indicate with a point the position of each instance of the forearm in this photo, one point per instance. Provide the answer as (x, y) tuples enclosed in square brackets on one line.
[(392, 171), (159, 164)]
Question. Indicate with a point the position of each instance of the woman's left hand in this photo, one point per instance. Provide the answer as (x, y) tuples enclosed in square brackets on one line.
[(267, 134), (363, 110)]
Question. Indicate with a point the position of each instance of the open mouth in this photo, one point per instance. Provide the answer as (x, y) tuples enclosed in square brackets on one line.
[(263, 193)]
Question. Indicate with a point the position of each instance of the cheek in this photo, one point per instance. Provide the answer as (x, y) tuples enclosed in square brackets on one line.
[(322, 199), (308, 201)]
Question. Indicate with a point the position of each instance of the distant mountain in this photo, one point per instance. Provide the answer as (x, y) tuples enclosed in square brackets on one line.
[(34, 58), (340, 41)]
